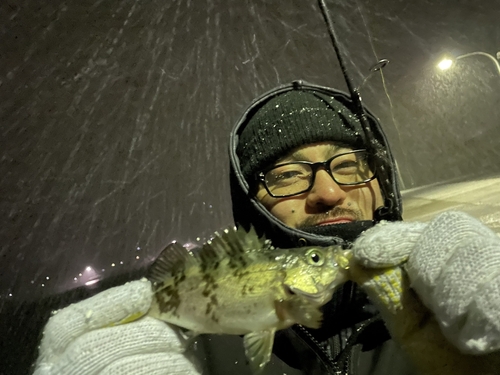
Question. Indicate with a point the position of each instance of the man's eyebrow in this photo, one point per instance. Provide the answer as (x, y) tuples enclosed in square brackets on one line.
[(294, 156), (299, 155)]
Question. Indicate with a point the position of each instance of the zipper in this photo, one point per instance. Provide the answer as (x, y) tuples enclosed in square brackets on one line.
[(344, 362), (351, 351), (330, 362), (315, 346)]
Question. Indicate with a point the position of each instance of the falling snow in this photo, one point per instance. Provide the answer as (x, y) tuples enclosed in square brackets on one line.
[(114, 116)]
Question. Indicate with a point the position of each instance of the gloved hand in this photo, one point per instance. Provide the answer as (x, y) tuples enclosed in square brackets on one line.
[(453, 265), (101, 335)]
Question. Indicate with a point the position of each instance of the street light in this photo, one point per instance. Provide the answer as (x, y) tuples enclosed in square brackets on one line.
[(447, 62)]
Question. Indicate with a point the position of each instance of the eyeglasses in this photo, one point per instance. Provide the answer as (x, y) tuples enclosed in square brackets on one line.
[(297, 177)]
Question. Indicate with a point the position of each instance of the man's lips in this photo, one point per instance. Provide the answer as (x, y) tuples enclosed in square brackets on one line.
[(336, 215), (336, 220)]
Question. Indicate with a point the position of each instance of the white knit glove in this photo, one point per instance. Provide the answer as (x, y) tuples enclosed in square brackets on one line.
[(101, 335), (453, 265)]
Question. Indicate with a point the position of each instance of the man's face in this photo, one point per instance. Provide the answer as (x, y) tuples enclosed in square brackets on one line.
[(326, 202)]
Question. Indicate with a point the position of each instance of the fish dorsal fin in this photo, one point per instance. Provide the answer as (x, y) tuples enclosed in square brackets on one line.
[(233, 243), (258, 348), (172, 259)]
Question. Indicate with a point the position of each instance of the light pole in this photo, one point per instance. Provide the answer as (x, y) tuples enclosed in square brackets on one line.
[(446, 63)]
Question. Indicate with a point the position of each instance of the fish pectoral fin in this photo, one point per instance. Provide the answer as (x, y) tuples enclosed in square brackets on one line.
[(301, 311), (258, 348)]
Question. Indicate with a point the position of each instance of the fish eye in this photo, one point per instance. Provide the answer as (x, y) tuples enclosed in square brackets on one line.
[(315, 257)]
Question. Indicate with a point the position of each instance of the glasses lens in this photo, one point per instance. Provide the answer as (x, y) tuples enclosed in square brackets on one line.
[(352, 168), (288, 179)]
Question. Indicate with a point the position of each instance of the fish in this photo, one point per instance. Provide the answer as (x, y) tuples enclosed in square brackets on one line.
[(239, 284)]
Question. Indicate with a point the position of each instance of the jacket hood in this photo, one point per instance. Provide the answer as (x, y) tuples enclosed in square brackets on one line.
[(248, 211)]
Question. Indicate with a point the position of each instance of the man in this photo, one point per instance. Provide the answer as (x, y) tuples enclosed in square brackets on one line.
[(303, 173), (295, 202)]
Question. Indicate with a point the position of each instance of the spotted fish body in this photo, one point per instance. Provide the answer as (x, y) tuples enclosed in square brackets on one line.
[(239, 284)]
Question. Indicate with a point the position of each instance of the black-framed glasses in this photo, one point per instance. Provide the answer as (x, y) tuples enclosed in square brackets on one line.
[(297, 177)]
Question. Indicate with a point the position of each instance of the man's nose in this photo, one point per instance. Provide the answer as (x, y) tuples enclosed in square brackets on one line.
[(325, 191)]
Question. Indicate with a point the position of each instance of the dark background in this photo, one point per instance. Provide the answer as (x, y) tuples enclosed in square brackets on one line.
[(114, 117)]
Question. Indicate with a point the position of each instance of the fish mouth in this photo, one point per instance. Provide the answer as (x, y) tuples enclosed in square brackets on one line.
[(319, 298)]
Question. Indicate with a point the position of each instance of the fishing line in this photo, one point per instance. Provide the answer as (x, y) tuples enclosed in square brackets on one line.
[(386, 91), (390, 209)]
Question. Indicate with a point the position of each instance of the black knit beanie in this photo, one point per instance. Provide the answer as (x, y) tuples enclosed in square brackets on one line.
[(290, 120)]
